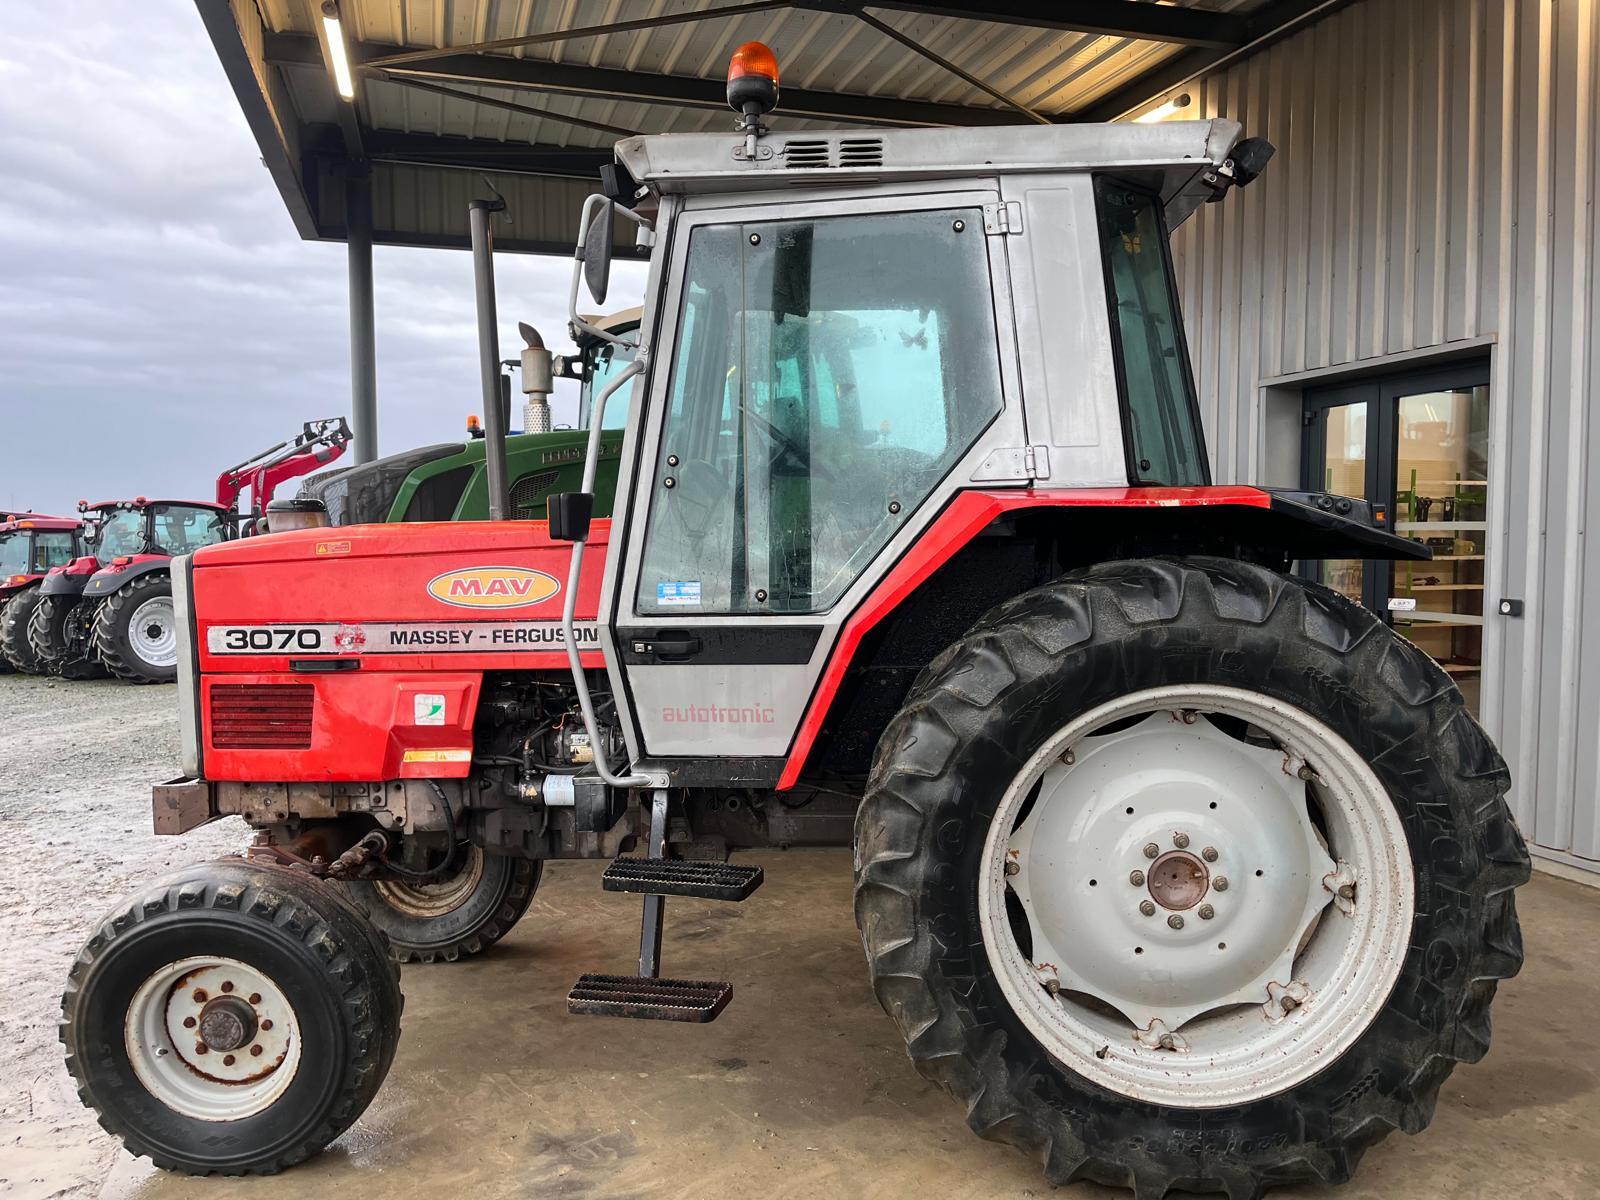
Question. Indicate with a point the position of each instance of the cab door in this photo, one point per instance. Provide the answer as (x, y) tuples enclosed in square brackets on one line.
[(832, 374)]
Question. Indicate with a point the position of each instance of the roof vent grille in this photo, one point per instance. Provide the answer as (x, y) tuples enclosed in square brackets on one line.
[(861, 152), (806, 154)]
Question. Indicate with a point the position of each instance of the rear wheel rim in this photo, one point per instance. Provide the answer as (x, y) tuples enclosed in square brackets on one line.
[(212, 1038), (1231, 935), (153, 630), (435, 898)]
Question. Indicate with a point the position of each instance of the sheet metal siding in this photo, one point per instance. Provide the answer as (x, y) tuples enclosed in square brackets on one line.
[(1435, 181)]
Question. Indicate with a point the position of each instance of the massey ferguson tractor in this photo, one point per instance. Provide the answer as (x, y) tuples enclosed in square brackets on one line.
[(30, 545), (111, 610), (1176, 870)]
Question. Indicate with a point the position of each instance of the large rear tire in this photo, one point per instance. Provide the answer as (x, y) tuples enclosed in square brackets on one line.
[(50, 639), (181, 996), (135, 631), (14, 645), (455, 916), (1084, 997)]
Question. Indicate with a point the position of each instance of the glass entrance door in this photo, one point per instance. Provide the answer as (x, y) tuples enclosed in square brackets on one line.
[(1416, 447)]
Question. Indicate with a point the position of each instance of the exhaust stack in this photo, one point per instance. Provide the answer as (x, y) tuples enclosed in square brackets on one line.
[(536, 380)]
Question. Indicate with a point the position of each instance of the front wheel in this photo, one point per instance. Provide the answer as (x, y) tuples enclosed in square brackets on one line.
[(234, 1018), (135, 631), (56, 635), (17, 653), (457, 914), (1188, 875)]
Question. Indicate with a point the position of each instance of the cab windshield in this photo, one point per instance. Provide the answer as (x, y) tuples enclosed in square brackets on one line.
[(121, 533), (13, 553), (183, 528)]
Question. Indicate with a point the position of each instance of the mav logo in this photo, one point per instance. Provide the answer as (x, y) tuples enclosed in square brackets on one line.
[(493, 587)]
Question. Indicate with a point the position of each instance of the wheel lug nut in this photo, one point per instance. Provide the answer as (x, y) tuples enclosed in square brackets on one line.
[(199, 995), (267, 1024), (1151, 849), (1147, 907), (1012, 868), (201, 1048), (1209, 854), (1180, 840), (255, 1050), (1136, 878), (1220, 883), (188, 1022), (228, 1060), (1175, 921), (227, 985), (255, 997), (1207, 912)]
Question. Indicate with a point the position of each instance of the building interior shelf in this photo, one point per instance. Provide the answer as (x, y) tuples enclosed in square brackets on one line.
[(1437, 618), (1438, 526), (1446, 587)]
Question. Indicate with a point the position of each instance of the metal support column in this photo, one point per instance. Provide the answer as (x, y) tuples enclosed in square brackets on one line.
[(481, 212), (363, 349)]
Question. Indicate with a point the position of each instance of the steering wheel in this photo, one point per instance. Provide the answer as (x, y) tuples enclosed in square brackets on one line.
[(787, 445)]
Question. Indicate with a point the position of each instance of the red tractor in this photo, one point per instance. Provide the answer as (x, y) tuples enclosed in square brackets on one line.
[(111, 610), (1176, 868), (30, 546)]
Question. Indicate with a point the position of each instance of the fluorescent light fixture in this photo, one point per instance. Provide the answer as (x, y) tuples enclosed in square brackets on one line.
[(338, 56), (1167, 108)]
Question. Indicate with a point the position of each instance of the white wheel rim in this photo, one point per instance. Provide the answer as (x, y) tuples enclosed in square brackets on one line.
[(257, 1038), (1285, 969), (153, 630)]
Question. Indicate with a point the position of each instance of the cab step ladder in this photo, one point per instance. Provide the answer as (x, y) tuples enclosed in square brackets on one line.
[(648, 996)]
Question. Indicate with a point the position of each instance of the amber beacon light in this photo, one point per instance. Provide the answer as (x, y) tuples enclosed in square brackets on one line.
[(753, 81)]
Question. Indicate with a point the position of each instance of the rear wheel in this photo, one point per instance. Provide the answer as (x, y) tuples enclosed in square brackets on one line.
[(53, 637), (1186, 875), (455, 915), (235, 1018), (14, 647), (136, 631)]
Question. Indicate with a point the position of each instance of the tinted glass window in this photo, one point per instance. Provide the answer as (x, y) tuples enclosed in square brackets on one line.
[(605, 361), (122, 533), (52, 549), (828, 374), (13, 553), (1163, 427), (181, 529)]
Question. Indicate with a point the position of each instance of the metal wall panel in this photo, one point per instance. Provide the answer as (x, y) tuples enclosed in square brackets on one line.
[(1437, 170)]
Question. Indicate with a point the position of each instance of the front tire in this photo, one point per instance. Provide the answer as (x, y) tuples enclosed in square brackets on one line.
[(268, 965), (963, 784), (135, 631), (14, 645), (53, 644), (455, 916)]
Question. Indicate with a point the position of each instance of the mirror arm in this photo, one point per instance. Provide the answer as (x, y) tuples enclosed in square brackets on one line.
[(596, 207)]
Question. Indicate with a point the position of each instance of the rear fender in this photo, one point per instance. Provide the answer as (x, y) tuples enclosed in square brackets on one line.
[(114, 578), (1077, 527), (71, 579)]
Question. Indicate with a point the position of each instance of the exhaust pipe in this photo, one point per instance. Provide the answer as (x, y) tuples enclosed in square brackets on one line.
[(479, 213), (536, 381)]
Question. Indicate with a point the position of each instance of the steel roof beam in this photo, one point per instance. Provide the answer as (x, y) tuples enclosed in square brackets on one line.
[(423, 149), (1108, 18), (676, 91)]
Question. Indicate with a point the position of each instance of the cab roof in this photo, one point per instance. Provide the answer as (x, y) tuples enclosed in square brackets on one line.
[(39, 521)]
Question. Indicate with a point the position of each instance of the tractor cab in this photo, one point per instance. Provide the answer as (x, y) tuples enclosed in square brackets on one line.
[(31, 546)]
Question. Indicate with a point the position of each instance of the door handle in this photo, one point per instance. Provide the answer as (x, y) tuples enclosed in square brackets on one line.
[(671, 646)]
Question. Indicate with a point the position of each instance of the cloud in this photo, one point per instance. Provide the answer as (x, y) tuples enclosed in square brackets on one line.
[(159, 316)]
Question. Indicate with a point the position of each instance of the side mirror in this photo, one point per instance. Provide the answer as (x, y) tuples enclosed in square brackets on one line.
[(597, 255), (570, 514)]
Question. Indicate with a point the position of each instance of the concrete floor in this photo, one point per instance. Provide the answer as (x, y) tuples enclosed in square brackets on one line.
[(800, 1089)]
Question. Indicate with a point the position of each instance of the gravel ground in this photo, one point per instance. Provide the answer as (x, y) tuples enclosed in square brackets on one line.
[(76, 764)]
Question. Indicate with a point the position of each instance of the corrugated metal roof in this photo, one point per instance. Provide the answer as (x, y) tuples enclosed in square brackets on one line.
[(439, 118)]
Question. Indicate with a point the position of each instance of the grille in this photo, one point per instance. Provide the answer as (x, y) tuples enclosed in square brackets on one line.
[(526, 493), (804, 153), (262, 716)]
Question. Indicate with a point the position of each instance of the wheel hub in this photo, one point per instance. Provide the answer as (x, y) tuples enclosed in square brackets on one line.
[(1178, 880), (155, 632), (227, 1022)]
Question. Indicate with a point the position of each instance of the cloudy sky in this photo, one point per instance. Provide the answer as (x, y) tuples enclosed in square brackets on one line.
[(160, 319)]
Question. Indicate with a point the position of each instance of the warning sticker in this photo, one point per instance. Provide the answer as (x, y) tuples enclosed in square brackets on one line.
[(682, 592), (408, 637), (1402, 603)]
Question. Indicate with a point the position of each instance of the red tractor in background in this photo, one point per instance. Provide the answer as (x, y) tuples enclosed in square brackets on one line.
[(31, 544), (111, 609)]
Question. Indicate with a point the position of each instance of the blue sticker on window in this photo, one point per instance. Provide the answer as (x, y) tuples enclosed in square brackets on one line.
[(685, 592)]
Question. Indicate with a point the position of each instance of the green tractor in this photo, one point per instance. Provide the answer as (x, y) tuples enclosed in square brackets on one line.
[(449, 481)]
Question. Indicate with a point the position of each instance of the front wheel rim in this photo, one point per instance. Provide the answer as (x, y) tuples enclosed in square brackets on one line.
[(1216, 890), (153, 630), (212, 1038)]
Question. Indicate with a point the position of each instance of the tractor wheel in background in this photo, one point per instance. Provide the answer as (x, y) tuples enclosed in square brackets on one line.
[(136, 631), (455, 916), (1185, 875), (15, 649), (48, 639), (233, 1018)]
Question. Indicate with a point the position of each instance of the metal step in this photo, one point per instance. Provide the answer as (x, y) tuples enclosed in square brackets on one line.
[(675, 877), (649, 999)]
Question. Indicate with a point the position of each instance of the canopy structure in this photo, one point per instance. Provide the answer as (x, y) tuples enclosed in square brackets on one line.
[(380, 120)]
